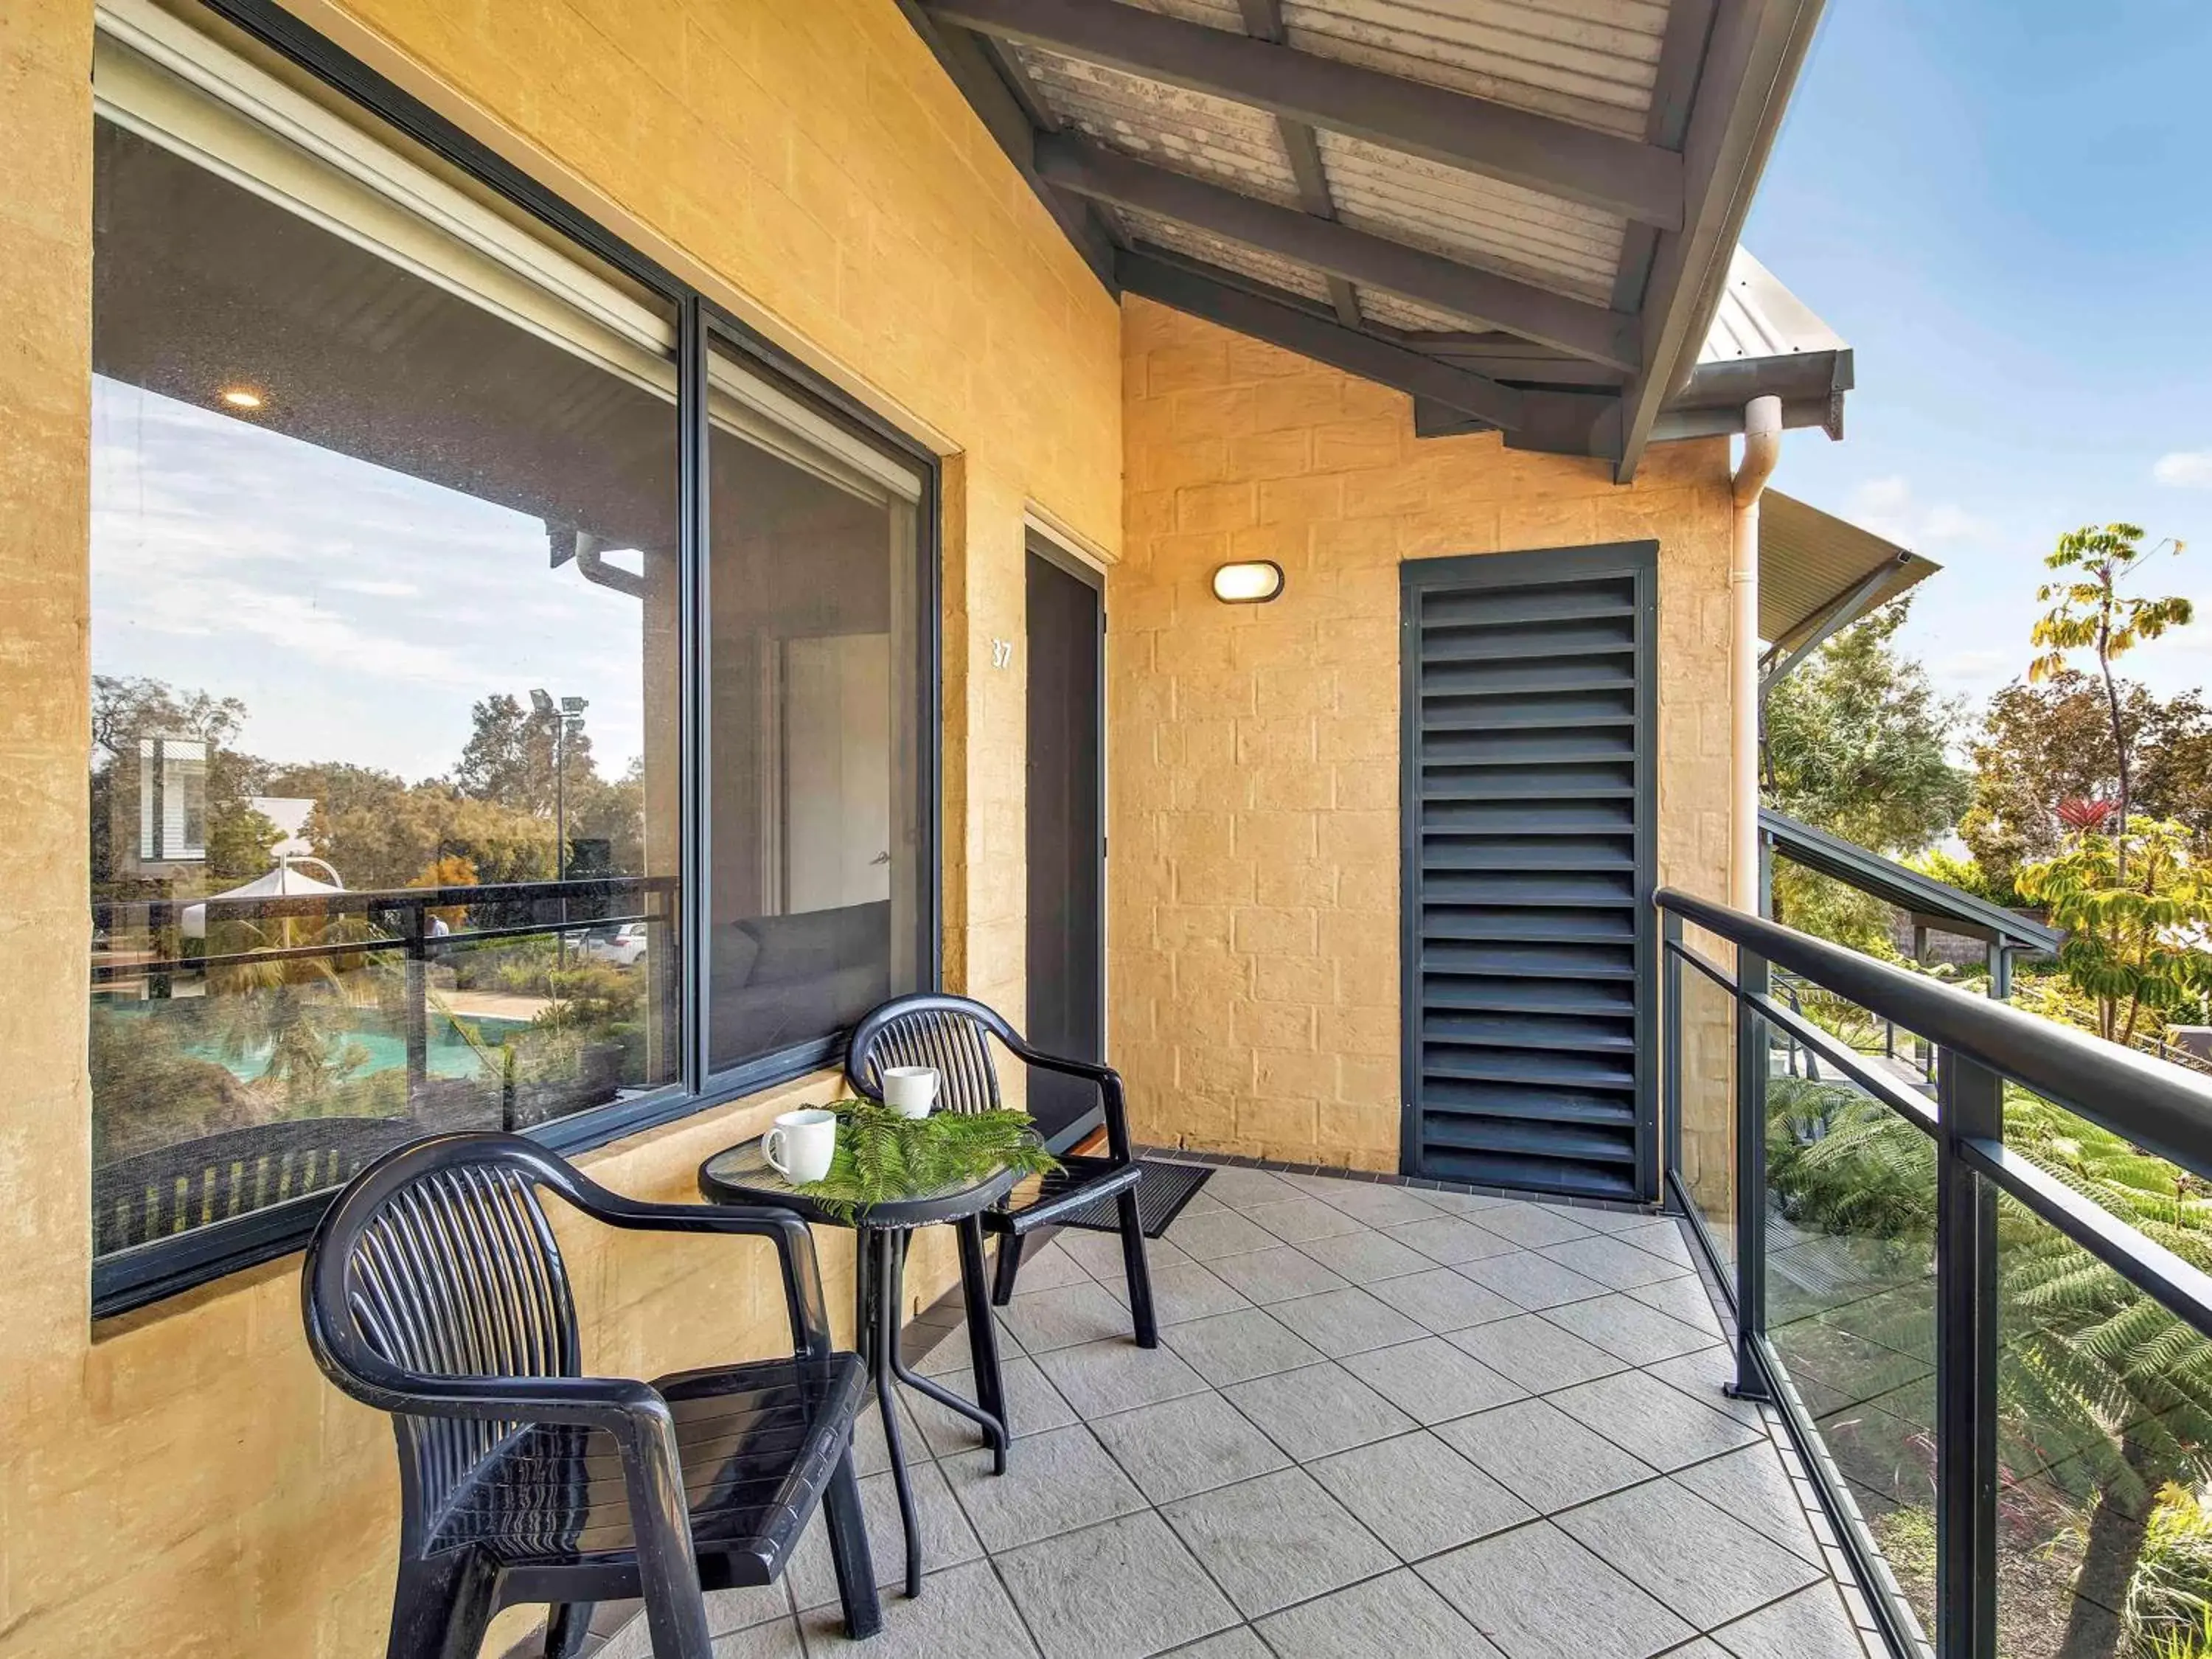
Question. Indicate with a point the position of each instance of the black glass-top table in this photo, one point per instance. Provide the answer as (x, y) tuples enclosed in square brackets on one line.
[(743, 1175)]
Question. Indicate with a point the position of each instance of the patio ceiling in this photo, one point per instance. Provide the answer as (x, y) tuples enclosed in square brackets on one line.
[(1521, 212)]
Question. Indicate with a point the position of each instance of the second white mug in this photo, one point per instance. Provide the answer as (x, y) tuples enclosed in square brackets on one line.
[(910, 1091)]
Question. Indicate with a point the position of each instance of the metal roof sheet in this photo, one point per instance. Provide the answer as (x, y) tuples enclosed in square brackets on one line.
[(1194, 243), (1758, 317), (1208, 137), (1593, 61), (1809, 560), (1557, 245)]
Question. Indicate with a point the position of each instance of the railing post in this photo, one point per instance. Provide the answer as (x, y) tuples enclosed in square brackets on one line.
[(1751, 1063), (418, 1002), (1670, 1038), (1970, 1102)]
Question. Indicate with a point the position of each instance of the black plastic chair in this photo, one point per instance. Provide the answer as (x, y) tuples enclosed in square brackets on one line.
[(435, 1290), (952, 1034)]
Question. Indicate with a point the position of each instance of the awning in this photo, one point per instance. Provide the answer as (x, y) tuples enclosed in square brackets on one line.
[(1524, 213), (1818, 573), (283, 882), (1930, 904)]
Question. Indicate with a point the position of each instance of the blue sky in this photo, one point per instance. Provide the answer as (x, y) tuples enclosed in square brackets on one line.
[(2002, 206)]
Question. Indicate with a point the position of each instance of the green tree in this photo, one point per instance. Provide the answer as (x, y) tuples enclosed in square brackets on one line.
[(2135, 944), (2089, 611), (510, 755), (1857, 742), (2094, 1375)]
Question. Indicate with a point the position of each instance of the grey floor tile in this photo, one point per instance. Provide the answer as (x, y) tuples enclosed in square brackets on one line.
[(1662, 1239), (1536, 1594), (1684, 1297), (1213, 1234), (1350, 1320), (947, 1539), (1117, 1376), (1418, 1495), (1397, 1614), (1752, 1486), (1704, 1648), (1033, 1406), (1380, 1206), (1317, 1410), (1180, 1447), (1612, 1261), (1703, 1375), (1054, 1482), (1542, 1456), (1274, 1275), (1461, 1203), (1181, 1291), (1663, 1426), (1628, 1330), (1324, 1187), (1531, 1281), (871, 1455), (1247, 1189), (1064, 1318), (1450, 1240), (962, 1610), (1535, 1353), (1707, 1566), (1241, 1642), (1048, 1267), (1120, 1590), (1235, 1347), (777, 1640), (1275, 1540), (1099, 1254), (1530, 1224), (953, 1353), (1430, 1380), (1297, 1218), (1617, 1221), (1443, 1299), (1365, 1256), (727, 1611), (1810, 1625)]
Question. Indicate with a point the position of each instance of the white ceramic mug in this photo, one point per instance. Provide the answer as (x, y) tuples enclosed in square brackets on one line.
[(910, 1091), (807, 1139)]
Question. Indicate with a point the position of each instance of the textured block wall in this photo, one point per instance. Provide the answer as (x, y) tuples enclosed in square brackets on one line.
[(182, 1483), (1253, 769)]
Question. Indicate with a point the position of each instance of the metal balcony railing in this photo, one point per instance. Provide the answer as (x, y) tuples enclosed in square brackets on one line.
[(1729, 1040)]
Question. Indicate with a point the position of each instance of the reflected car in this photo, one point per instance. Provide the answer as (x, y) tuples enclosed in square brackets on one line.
[(621, 946)]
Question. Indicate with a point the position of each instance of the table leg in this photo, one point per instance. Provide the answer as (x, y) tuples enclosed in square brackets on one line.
[(887, 1365), (987, 1410)]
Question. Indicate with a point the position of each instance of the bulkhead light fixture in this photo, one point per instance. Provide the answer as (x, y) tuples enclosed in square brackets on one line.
[(1255, 581), (239, 396)]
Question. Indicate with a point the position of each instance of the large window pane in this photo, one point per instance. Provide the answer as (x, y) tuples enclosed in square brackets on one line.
[(384, 835), (816, 709)]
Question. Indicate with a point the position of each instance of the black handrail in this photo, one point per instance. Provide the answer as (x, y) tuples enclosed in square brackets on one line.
[(2159, 1107)]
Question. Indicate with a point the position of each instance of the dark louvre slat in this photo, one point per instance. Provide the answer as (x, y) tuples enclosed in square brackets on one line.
[(1528, 709)]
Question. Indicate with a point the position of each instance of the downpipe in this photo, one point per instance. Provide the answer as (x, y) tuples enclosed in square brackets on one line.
[(1762, 449)]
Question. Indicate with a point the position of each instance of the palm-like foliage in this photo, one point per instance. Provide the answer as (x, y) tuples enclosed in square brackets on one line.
[(2134, 938), (2102, 1387)]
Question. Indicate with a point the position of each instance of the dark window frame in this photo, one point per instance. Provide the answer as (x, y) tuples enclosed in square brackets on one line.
[(149, 1272)]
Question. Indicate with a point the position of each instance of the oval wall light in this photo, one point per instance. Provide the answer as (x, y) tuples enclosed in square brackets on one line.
[(240, 397), (1255, 581)]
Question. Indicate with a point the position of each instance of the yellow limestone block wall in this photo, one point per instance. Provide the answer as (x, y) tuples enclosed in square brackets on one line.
[(1254, 770), (182, 1483)]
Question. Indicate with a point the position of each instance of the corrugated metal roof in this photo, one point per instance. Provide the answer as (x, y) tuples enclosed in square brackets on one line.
[(1759, 318), (1188, 132), (1196, 244), (1503, 227), (1809, 559), (1592, 62)]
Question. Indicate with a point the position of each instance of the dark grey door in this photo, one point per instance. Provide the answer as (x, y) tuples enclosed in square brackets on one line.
[(1067, 835), (1527, 760)]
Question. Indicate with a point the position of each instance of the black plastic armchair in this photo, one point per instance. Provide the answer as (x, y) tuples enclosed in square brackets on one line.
[(435, 1290), (952, 1033)]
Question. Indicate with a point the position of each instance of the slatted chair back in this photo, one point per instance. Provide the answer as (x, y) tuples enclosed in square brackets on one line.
[(449, 1268), (951, 1033), (194, 1183)]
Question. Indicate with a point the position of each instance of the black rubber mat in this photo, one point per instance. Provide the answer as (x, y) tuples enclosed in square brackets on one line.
[(1162, 1192)]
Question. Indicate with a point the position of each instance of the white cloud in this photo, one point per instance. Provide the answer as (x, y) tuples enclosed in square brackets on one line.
[(1888, 508), (2185, 469)]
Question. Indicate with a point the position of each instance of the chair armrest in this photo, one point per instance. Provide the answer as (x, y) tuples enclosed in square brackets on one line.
[(1110, 1094), (795, 1246)]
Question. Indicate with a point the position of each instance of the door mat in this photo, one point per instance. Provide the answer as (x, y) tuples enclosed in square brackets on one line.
[(1162, 1192)]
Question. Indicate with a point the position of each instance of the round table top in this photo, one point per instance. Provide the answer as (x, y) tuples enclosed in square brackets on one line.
[(741, 1175)]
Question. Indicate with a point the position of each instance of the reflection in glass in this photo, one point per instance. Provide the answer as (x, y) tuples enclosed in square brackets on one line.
[(1705, 1079), (813, 917), (350, 513)]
